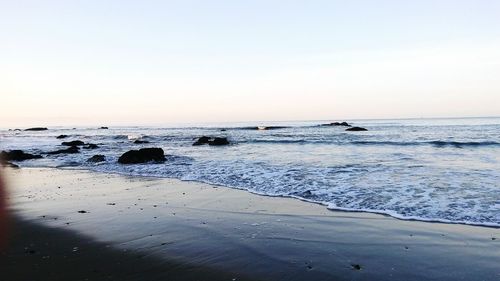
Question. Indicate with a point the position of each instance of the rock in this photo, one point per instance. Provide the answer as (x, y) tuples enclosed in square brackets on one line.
[(140, 141), (211, 141), (36, 129), (73, 143), (61, 136), (344, 124), (103, 128), (90, 146), (219, 141), (142, 156), (17, 155), (97, 158), (202, 140), (356, 129), (70, 150)]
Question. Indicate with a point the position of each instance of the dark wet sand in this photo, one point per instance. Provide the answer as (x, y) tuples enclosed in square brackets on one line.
[(38, 252), (128, 228)]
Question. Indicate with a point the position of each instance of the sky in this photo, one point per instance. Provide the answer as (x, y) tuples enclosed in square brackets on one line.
[(158, 62)]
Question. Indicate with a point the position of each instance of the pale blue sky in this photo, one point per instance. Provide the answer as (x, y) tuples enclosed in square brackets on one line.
[(124, 62)]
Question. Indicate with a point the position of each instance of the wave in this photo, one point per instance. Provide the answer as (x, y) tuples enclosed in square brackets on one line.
[(292, 141), (257, 128), (307, 196), (120, 137), (456, 144), (461, 144), (185, 168), (396, 215)]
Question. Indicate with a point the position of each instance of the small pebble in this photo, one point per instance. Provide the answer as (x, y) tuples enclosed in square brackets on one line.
[(356, 266)]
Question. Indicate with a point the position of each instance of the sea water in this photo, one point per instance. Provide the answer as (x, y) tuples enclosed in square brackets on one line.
[(444, 170)]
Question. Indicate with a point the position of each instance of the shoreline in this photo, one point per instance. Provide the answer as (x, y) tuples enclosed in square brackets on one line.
[(390, 214), (230, 230)]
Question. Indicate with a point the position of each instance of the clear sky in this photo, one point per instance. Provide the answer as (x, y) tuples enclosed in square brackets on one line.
[(137, 62)]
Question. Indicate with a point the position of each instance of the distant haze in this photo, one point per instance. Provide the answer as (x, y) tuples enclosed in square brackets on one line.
[(140, 62)]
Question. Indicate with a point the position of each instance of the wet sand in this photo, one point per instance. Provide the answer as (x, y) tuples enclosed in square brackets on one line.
[(38, 252), (133, 228)]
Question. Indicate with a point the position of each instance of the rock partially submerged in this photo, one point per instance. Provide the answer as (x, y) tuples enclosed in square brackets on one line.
[(103, 128), (211, 141), (73, 143), (18, 155), (219, 141), (202, 140), (344, 124), (62, 136), (143, 155), (90, 146), (36, 129), (70, 150), (140, 141), (97, 158), (356, 129)]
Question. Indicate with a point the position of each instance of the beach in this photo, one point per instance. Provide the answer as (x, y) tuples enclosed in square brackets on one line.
[(81, 225), (250, 140)]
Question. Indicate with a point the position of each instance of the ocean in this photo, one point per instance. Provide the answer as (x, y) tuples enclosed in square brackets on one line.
[(445, 170)]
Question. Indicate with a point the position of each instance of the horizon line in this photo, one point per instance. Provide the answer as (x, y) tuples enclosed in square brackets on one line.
[(254, 121)]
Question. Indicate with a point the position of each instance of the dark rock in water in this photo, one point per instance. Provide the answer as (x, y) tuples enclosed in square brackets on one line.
[(82, 212), (91, 146), (219, 141), (142, 156), (36, 129), (103, 128), (202, 140), (17, 155), (211, 141), (73, 143), (10, 165), (356, 129), (61, 136), (140, 141), (97, 158), (71, 150), (223, 130), (344, 124)]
